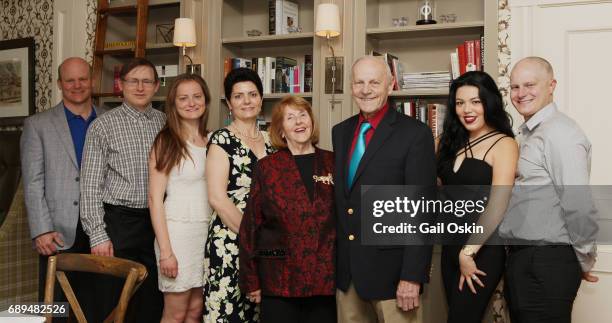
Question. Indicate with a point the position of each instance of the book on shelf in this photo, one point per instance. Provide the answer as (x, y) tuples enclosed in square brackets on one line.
[(290, 16), (283, 67), (436, 113), (395, 66), (116, 80), (468, 56), (283, 17), (432, 114), (278, 74), (307, 73)]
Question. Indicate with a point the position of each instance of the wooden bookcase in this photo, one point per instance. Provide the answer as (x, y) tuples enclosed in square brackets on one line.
[(228, 38), (425, 48), (122, 27)]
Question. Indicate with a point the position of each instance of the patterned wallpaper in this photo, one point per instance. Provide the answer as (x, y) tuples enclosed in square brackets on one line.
[(503, 50), (32, 18), (90, 29)]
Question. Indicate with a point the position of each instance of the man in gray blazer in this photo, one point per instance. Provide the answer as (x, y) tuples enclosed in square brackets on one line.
[(51, 149)]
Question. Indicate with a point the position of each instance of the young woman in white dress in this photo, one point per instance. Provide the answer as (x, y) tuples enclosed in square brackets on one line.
[(177, 199)]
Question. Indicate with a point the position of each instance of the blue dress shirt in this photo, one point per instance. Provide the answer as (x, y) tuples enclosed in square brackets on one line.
[(78, 128)]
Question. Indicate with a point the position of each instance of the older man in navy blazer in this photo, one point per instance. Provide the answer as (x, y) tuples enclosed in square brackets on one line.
[(378, 146)]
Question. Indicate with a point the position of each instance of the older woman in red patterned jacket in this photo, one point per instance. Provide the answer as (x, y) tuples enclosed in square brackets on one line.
[(287, 234)]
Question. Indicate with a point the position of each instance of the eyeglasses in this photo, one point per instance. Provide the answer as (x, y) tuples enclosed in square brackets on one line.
[(134, 83)]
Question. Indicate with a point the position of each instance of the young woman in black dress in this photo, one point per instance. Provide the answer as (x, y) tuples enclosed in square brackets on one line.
[(476, 148)]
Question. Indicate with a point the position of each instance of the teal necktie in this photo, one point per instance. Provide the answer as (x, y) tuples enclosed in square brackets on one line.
[(360, 147)]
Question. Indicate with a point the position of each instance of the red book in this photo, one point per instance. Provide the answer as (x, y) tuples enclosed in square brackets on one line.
[(116, 79), (462, 58), (471, 55)]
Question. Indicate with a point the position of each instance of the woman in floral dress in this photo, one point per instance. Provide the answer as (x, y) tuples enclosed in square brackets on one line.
[(232, 154)]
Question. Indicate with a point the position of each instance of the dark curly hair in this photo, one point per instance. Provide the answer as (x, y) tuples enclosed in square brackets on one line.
[(454, 135), (238, 75)]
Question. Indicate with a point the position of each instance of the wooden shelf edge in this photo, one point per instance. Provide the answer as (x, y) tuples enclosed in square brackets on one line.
[(266, 38), (152, 3), (124, 50), (274, 96), (434, 27), (443, 92)]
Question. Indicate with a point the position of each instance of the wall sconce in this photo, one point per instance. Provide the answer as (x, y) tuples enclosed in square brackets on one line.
[(328, 26), (185, 36)]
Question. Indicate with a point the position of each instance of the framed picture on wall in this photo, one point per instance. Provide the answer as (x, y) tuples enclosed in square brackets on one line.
[(16, 80)]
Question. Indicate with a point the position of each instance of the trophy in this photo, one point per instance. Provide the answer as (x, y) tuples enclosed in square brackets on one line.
[(426, 12)]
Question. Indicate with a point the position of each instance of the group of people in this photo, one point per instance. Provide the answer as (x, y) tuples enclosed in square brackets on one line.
[(243, 225)]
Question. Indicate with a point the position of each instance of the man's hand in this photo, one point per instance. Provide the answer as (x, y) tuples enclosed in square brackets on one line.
[(46, 243), (408, 295), (103, 249), (589, 277)]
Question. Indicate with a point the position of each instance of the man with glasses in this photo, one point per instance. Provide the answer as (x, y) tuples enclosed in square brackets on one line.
[(114, 178)]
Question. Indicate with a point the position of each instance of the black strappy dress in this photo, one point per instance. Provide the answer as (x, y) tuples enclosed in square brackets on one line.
[(464, 306)]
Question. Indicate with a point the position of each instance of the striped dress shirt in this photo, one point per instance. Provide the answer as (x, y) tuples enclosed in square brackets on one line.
[(115, 164), (551, 201)]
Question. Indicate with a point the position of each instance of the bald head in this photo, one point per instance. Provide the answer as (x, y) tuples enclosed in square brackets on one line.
[(532, 85), (537, 64), (376, 61), (70, 63)]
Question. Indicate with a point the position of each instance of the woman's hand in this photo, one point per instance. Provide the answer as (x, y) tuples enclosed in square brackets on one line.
[(255, 296), (168, 266), (469, 272)]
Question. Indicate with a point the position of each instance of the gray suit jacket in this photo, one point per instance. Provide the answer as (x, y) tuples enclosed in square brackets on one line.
[(50, 174)]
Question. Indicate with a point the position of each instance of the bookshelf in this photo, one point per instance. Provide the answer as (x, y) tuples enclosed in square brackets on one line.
[(228, 39), (122, 28), (426, 47), (366, 26)]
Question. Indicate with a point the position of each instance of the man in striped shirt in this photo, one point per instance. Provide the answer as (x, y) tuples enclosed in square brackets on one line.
[(114, 179)]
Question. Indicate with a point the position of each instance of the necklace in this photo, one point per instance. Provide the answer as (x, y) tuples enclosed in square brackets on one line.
[(257, 136)]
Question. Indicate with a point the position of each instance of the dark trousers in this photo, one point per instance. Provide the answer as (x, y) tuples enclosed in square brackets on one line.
[(314, 309), (132, 235), (80, 282), (541, 283), (465, 306)]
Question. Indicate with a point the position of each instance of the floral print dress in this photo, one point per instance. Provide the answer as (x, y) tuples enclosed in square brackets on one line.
[(223, 301)]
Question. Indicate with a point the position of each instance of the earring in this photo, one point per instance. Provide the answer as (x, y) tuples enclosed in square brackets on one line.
[(228, 121)]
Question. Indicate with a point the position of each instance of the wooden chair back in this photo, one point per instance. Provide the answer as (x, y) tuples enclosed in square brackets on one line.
[(133, 273)]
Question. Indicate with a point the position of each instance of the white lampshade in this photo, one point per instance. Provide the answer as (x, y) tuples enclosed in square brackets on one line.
[(184, 32), (328, 20)]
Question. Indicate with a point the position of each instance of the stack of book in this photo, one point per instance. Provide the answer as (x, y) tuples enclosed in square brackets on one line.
[(278, 74), (468, 56), (426, 81)]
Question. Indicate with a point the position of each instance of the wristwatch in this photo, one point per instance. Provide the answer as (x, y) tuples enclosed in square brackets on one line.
[(468, 251)]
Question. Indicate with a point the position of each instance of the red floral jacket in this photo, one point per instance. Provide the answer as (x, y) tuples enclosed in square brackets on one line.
[(287, 241)]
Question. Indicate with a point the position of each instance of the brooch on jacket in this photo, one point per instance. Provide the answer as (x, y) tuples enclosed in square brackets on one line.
[(327, 180)]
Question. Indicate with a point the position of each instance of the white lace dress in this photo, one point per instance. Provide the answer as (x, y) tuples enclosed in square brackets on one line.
[(187, 218)]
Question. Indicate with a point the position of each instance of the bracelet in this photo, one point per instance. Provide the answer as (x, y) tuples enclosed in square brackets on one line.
[(171, 255)]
